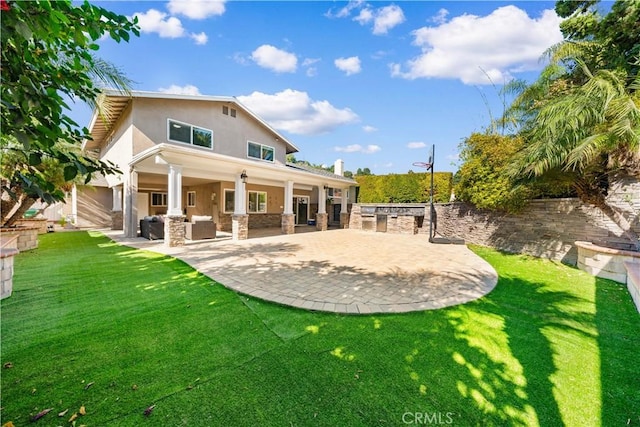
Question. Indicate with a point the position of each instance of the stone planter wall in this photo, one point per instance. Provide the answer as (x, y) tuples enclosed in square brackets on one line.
[(27, 237), (614, 264), (633, 282), (6, 271), (8, 251), (39, 223)]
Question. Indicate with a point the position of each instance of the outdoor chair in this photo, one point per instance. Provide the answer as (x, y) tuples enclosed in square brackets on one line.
[(200, 228), (152, 227)]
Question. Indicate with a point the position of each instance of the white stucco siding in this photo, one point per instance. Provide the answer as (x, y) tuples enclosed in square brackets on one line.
[(118, 148), (230, 134)]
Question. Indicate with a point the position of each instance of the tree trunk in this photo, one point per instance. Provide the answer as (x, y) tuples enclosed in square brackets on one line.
[(25, 203), (594, 195), (621, 222)]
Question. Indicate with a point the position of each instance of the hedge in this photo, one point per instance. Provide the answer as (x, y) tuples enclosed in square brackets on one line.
[(404, 188)]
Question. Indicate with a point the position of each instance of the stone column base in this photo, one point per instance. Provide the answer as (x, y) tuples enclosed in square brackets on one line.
[(288, 224), (322, 221), (344, 219), (240, 227), (117, 220), (174, 231)]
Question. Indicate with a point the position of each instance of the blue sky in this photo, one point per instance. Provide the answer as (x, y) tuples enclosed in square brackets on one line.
[(373, 83)]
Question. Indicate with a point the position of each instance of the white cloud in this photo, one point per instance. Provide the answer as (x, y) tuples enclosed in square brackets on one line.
[(383, 18), (365, 16), (181, 90), (379, 54), (357, 148), (196, 9), (294, 111), (349, 65), (441, 17), (240, 58), (310, 61), (275, 59), (345, 11), (386, 18), (369, 129), (154, 21), (308, 64), (414, 145), (475, 49), (200, 38)]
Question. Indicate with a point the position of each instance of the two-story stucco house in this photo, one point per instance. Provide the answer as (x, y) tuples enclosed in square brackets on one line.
[(184, 155)]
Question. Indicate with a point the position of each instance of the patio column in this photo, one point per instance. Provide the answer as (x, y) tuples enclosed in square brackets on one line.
[(322, 218), (288, 219), (344, 212), (174, 193), (74, 205), (130, 204), (116, 212), (240, 219), (174, 220)]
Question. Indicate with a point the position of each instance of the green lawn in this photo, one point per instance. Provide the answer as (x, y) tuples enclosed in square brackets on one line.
[(117, 330)]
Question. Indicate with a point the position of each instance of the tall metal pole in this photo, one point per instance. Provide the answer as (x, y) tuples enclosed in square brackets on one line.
[(431, 209)]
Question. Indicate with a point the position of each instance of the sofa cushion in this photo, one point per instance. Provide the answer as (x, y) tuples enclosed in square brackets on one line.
[(196, 218)]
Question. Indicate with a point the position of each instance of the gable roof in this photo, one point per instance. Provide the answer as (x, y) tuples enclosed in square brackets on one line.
[(100, 127)]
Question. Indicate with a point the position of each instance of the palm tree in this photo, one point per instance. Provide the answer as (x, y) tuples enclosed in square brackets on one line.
[(589, 130)]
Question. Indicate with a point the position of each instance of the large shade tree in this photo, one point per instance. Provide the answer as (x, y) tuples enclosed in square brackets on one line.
[(47, 58), (582, 117)]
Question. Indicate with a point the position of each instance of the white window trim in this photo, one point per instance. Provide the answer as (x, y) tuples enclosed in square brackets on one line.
[(169, 120), (257, 211), (224, 200), (163, 197), (261, 147), (189, 204)]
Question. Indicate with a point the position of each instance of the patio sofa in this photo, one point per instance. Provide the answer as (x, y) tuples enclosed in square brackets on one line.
[(200, 227), (152, 227)]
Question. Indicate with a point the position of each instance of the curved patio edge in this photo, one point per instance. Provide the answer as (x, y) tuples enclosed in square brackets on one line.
[(340, 271)]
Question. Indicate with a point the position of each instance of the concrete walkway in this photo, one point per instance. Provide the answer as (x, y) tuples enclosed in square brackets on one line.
[(344, 271)]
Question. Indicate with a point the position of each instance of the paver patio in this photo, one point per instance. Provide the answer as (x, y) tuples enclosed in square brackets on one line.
[(345, 271)]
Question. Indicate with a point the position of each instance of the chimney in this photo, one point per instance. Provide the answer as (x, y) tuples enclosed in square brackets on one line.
[(338, 167)]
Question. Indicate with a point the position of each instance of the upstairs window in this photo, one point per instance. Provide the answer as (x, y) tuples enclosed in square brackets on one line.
[(189, 134), (259, 151)]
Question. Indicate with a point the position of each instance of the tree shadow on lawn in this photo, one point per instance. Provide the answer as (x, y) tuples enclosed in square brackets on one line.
[(507, 346), (500, 359), (528, 353)]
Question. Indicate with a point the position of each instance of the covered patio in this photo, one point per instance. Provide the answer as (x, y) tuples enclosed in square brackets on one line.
[(237, 194)]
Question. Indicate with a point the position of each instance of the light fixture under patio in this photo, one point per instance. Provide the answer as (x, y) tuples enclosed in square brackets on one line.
[(244, 177)]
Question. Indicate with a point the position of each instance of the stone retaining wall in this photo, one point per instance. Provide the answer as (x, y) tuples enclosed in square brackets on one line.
[(546, 228)]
